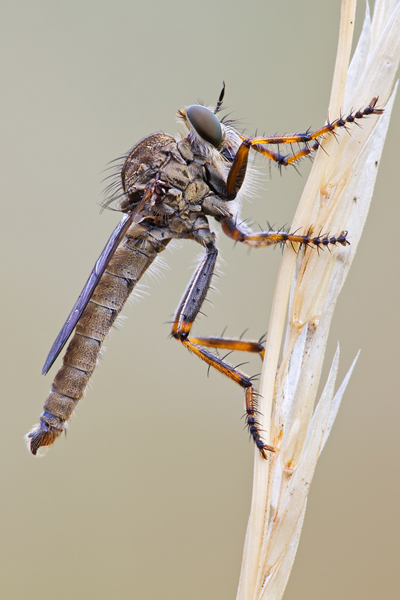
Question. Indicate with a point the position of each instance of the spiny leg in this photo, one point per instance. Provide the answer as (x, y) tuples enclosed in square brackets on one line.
[(268, 238), (185, 316), (239, 165), (308, 136), (232, 344), (284, 160), (245, 382)]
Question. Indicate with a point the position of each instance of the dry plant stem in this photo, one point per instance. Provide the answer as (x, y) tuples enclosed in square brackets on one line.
[(344, 171), (251, 558), (346, 30)]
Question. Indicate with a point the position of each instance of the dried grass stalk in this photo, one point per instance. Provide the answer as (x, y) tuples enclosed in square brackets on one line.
[(337, 197)]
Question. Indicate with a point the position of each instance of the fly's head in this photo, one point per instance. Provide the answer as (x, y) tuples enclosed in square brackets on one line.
[(209, 136), (203, 124)]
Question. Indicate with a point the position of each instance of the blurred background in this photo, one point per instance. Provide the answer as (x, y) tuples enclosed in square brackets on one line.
[(149, 494)]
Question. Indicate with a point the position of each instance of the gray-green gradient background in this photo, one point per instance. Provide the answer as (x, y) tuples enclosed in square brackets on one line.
[(148, 496)]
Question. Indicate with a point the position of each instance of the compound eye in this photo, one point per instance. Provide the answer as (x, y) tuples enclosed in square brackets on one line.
[(205, 123)]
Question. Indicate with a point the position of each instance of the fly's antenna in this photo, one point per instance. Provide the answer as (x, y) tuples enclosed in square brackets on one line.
[(220, 99)]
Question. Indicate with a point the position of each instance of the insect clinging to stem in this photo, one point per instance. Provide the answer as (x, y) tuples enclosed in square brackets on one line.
[(168, 189)]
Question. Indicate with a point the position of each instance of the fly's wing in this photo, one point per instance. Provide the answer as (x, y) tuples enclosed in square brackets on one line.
[(88, 290)]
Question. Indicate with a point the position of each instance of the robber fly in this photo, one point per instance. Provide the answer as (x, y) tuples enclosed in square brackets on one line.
[(169, 188)]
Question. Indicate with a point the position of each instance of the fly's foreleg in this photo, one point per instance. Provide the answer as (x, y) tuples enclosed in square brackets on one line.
[(239, 166), (309, 139), (185, 316)]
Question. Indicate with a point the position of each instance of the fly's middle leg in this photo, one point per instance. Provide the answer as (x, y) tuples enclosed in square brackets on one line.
[(268, 238), (185, 316)]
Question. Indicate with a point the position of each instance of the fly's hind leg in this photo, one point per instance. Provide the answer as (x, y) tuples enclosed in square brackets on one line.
[(232, 344), (185, 316)]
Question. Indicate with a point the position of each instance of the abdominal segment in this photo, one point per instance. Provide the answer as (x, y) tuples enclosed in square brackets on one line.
[(137, 251)]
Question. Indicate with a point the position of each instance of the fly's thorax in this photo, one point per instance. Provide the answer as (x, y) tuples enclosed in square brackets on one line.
[(143, 163), (145, 158), (172, 183)]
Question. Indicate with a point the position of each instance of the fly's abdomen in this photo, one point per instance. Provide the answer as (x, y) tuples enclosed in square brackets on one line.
[(130, 261)]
